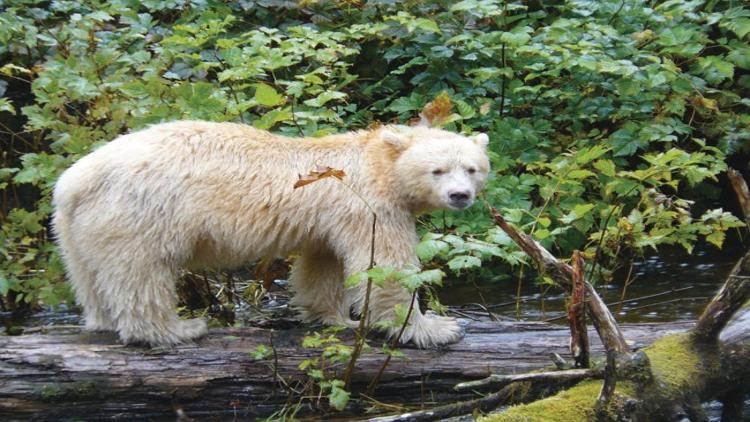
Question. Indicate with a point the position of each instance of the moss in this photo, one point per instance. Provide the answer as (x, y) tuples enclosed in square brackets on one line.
[(60, 392), (574, 404), (675, 364)]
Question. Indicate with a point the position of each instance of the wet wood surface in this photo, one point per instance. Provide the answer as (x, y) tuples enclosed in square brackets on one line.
[(67, 373)]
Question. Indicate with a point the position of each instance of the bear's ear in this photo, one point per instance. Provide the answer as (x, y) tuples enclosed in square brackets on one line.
[(395, 139), (481, 139)]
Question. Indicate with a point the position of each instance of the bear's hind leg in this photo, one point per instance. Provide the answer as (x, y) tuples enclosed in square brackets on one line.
[(82, 279), (95, 315), (317, 281), (142, 300)]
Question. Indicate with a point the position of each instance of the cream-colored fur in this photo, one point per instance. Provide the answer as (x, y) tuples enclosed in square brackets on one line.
[(194, 194)]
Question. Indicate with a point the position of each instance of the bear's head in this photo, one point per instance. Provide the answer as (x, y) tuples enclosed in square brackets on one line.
[(437, 169)]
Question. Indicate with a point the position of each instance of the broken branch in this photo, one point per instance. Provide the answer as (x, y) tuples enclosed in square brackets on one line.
[(579, 339), (562, 273)]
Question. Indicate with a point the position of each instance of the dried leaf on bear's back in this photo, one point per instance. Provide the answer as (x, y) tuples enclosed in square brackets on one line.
[(319, 173)]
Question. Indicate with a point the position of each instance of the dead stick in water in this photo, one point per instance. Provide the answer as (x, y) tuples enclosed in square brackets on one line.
[(562, 273), (579, 339)]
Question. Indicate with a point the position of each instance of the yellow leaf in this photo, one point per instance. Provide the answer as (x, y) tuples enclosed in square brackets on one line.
[(438, 111)]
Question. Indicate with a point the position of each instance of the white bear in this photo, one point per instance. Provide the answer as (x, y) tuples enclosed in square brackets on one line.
[(194, 194)]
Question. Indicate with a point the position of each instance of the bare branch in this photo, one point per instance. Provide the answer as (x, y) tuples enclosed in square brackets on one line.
[(562, 273), (502, 380), (741, 190), (579, 338), (731, 297)]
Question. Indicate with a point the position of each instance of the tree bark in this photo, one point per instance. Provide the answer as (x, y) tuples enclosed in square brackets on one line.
[(70, 374)]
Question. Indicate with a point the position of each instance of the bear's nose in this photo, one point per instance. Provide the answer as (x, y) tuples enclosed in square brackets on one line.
[(458, 197)]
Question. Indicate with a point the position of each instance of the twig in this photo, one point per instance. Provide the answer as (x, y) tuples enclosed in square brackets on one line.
[(484, 404), (614, 15), (628, 282), (394, 344), (483, 306), (665, 302), (465, 314), (502, 81), (365, 315), (579, 339), (635, 299), (294, 119), (503, 380)]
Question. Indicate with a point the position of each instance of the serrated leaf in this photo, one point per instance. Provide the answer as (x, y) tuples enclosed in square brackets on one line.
[(606, 167), (338, 398), (464, 262), (716, 238), (6, 105), (415, 281), (427, 249)]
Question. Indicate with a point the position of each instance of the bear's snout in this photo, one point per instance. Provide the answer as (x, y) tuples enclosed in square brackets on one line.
[(460, 199)]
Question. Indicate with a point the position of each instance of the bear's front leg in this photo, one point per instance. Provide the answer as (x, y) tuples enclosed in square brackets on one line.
[(394, 249)]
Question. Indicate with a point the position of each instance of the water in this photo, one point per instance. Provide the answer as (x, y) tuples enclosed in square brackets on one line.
[(674, 286)]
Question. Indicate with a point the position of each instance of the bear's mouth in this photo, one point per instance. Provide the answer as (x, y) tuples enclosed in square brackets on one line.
[(461, 204)]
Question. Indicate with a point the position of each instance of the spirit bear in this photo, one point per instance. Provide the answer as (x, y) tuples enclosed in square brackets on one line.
[(189, 195)]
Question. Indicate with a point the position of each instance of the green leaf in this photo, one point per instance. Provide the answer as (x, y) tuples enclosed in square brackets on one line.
[(606, 167), (464, 262), (6, 105), (428, 249), (415, 281), (270, 119), (580, 174), (578, 211), (324, 98), (714, 69), (261, 352), (338, 398), (355, 279), (4, 286), (716, 238), (267, 96)]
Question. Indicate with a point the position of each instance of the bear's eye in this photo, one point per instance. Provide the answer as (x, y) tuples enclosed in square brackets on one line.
[(437, 172), (471, 170)]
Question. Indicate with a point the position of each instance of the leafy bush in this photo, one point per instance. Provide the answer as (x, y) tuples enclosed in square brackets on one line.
[(601, 113)]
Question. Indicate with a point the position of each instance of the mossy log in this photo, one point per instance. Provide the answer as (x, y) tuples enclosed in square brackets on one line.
[(669, 379), (66, 373)]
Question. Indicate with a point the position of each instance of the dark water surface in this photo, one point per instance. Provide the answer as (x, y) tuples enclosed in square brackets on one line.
[(669, 286)]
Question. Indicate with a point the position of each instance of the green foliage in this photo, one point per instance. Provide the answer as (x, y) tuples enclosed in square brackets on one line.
[(322, 369), (260, 352), (601, 114), (410, 277)]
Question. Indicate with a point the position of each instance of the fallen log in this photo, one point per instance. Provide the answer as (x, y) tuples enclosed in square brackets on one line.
[(67, 373)]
